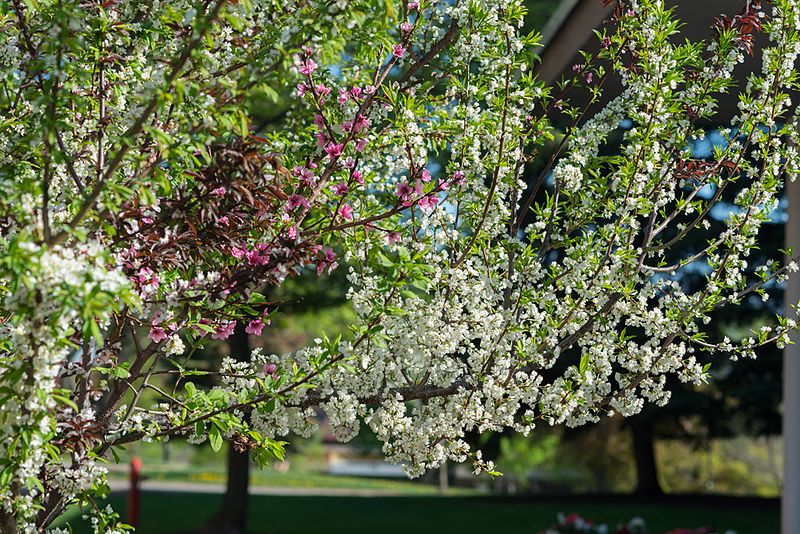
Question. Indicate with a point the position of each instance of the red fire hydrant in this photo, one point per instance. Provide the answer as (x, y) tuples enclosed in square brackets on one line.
[(133, 492)]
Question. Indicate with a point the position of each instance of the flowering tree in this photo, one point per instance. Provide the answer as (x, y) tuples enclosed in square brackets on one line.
[(142, 214)]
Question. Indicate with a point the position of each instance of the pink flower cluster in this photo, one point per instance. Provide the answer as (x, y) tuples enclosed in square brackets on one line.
[(307, 67), (409, 195), (328, 261), (357, 125), (346, 212), (255, 326), (258, 255), (160, 332), (297, 201), (224, 330), (332, 148), (145, 279), (305, 174), (271, 370)]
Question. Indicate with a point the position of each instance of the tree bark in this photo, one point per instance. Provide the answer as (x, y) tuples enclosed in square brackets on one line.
[(644, 454), (232, 515), (8, 523)]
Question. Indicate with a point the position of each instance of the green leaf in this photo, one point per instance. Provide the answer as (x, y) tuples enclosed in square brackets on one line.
[(215, 438), (65, 400)]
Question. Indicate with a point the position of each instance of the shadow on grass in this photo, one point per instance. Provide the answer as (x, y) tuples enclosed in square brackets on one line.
[(171, 513)]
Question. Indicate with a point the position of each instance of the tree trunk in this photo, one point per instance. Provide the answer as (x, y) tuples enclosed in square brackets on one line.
[(444, 478), (644, 453), (8, 523), (232, 515)]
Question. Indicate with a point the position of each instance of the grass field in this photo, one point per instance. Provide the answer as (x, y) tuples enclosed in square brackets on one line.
[(294, 479), (173, 513)]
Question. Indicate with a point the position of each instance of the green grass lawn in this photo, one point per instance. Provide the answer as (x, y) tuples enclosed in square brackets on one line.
[(295, 479), (176, 512)]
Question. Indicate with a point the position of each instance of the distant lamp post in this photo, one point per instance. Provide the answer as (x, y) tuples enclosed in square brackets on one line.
[(133, 492)]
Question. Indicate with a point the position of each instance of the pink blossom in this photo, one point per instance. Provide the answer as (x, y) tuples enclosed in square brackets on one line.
[(305, 174), (343, 96), (576, 68), (425, 176), (412, 5), (329, 262), (458, 177), (322, 91), (393, 237), (254, 258), (358, 177), (146, 278), (296, 201), (403, 190), (259, 255), (147, 220), (271, 370), (587, 77), (307, 67), (606, 42), (302, 88), (157, 333), (255, 327), (360, 123), (361, 144), (398, 50), (356, 92), (237, 252), (224, 331), (291, 233), (340, 189), (218, 192), (322, 139), (406, 27), (346, 212), (427, 203), (334, 150)]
